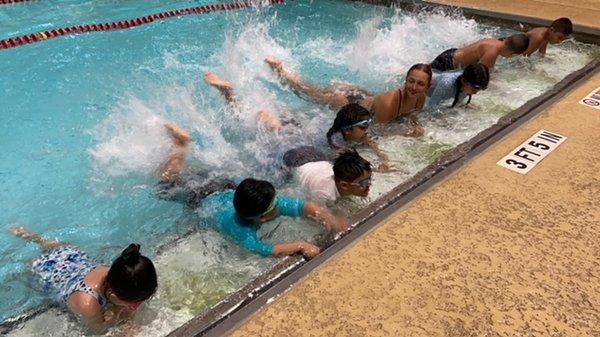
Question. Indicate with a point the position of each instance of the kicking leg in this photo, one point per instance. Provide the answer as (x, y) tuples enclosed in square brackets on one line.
[(172, 167), (226, 88), (270, 120), (335, 100), (35, 238), (265, 117)]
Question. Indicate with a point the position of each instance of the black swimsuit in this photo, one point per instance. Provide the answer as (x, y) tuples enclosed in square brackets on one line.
[(444, 61)]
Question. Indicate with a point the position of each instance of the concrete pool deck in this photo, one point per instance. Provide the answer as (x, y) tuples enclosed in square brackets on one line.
[(581, 12), (486, 252)]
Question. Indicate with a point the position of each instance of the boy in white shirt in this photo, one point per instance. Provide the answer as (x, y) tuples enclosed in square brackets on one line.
[(348, 175)]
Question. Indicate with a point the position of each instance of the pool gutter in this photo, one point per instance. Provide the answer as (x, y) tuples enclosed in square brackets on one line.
[(240, 306)]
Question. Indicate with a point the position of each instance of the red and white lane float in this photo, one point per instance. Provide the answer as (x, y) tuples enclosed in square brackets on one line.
[(54, 33)]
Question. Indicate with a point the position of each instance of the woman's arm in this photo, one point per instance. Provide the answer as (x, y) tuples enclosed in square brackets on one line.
[(384, 166)]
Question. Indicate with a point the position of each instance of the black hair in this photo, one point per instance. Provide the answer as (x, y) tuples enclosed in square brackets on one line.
[(562, 25), (132, 276), (517, 43), (474, 74), (349, 114), (253, 197), (349, 165), (424, 67)]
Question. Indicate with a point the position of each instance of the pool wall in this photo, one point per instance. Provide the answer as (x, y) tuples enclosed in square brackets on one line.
[(237, 308)]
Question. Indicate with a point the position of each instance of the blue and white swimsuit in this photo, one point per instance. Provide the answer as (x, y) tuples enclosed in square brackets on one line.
[(62, 271)]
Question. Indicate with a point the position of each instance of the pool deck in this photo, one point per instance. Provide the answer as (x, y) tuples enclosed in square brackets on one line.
[(581, 12), (486, 252)]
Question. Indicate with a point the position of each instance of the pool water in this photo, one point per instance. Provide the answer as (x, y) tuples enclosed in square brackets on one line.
[(82, 127)]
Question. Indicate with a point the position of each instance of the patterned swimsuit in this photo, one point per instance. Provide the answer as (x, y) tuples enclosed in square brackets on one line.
[(62, 271)]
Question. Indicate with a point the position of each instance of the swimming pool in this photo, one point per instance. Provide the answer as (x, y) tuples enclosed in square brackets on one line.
[(83, 114)]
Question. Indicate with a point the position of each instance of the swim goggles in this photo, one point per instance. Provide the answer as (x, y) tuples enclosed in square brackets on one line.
[(364, 183), (477, 86), (269, 210), (362, 124)]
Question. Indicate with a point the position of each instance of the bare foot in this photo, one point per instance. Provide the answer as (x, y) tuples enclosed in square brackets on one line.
[(216, 82), (269, 120), (179, 135), (274, 63), (21, 232)]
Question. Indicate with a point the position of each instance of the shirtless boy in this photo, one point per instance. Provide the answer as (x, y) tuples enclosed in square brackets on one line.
[(539, 37), (484, 51)]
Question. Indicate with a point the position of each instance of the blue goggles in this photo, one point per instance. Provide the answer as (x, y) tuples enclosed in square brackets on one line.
[(362, 124), (365, 183)]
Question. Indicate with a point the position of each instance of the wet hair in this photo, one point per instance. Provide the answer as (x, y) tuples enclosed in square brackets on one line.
[(253, 197), (349, 165), (349, 114), (132, 276), (517, 43), (424, 67), (562, 25), (474, 74)]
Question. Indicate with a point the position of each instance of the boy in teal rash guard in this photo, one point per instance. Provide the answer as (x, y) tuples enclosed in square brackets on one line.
[(254, 203)]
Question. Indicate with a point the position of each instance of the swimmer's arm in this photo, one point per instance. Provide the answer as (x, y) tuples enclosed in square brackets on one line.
[(269, 119), (542, 49), (307, 249), (385, 160), (325, 217), (534, 43), (416, 130), (489, 59)]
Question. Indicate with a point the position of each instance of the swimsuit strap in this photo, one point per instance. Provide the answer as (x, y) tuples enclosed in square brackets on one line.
[(399, 102), (84, 288)]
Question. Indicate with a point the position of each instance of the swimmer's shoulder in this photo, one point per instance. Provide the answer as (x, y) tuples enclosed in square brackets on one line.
[(84, 304)]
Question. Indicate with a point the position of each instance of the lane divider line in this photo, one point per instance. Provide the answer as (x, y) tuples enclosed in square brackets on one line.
[(8, 2), (124, 24)]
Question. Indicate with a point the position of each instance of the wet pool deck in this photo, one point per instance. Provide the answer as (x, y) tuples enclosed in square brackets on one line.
[(488, 252)]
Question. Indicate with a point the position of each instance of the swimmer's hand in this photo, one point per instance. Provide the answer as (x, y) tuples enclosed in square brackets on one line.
[(337, 225), (383, 168), (307, 249), (324, 216), (113, 315), (416, 131)]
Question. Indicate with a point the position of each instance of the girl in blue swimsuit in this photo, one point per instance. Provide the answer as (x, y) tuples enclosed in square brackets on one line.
[(102, 296)]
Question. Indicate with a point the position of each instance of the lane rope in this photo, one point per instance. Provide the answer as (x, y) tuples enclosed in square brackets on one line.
[(125, 24), (8, 2)]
